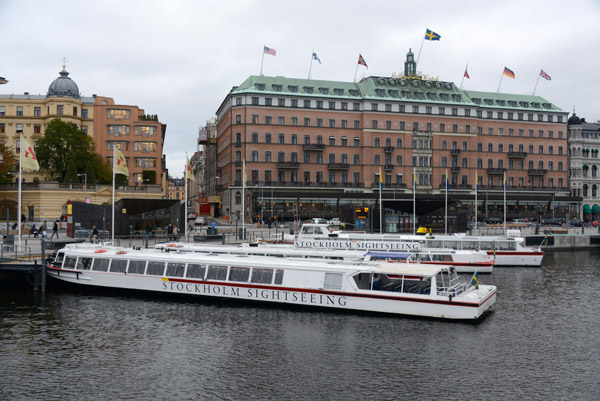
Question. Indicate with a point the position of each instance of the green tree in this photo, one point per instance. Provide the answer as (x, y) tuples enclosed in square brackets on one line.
[(71, 175), (7, 164), (63, 141)]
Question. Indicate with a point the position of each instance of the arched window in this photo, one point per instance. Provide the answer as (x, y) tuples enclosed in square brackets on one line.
[(594, 191), (585, 170), (238, 198), (594, 170), (585, 190)]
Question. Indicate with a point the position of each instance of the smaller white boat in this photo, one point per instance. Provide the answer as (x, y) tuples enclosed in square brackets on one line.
[(395, 288)]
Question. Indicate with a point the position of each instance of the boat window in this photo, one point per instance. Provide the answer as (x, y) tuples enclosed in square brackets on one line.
[(155, 268), (419, 286), (216, 272), (239, 274), (175, 269), (278, 276), (59, 258), (307, 230), (101, 265), (196, 271), (485, 245), (382, 282), (424, 257), (136, 267), (70, 262), (264, 276), (118, 266), (437, 257), (333, 281), (84, 263), (507, 245), (469, 245), (363, 281), (452, 244), (434, 244)]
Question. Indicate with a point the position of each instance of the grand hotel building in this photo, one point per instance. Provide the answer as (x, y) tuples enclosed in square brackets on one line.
[(317, 148)]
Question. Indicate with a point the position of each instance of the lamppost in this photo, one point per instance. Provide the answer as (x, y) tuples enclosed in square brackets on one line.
[(84, 184)]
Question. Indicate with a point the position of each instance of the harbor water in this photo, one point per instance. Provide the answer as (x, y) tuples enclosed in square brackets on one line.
[(540, 342)]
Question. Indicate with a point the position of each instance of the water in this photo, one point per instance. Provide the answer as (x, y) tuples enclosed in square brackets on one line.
[(540, 342)]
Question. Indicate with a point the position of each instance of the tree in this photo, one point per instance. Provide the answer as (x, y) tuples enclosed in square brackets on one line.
[(71, 176), (8, 163), (63, 141)]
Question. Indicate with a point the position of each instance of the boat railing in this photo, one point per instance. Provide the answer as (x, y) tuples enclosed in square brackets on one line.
[(453, 290)]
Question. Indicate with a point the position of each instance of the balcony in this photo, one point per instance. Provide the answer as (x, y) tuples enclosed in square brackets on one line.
[(457, 186), (455, 152), (388, 149), (537, 172), (338, 166), (455, 169), (237, 163), (219, 187), (388, 167), (517, 155), (315, 147), (496, 171), (290, 165)]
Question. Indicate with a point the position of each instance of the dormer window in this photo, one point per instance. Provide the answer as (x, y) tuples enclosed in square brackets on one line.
[(324, 91), (353, 92), (309, 89), (260, 87), (293, 88), (277, 88), (338, 91)]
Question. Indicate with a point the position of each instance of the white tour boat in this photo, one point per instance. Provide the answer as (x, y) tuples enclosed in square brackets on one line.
[(463, 261), (395, 288), (507, 250)]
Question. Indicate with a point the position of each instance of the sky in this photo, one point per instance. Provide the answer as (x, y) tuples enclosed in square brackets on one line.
[(179, 59)]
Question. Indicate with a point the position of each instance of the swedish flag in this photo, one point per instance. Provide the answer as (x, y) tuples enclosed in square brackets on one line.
[(475, 280), (430, 35)]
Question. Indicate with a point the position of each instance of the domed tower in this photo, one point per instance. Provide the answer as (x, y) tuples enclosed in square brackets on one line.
[(410, 67), (63, 86)]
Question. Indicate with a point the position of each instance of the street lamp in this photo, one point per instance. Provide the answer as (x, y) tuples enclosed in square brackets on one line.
[(84, 184)]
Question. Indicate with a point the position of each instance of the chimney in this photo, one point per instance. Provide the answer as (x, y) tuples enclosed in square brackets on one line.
[(583, 120)]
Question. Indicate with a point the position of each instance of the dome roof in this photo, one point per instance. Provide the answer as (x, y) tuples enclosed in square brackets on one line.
[(574, 120), (63, 86)]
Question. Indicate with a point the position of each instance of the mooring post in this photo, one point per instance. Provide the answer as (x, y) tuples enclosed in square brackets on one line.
[(43, 265)]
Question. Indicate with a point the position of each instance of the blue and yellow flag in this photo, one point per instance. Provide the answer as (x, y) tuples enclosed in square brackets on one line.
[(415, 179), (475, 281), (380, 180), (430, 35)]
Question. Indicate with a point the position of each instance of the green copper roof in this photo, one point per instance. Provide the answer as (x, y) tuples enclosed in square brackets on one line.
[(512, 101)]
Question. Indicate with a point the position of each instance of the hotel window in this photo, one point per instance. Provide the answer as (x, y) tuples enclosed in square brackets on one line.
[(20, 110), (480, 147), (550, 165), (117, 114), (255, 100), (377, 142), (356, 159), (454, 111), (444, 161), (280, 156), (464, 145), (306, 158), (319, 158), (268, 120), (479, 114), (560, 150), (307, 104), (550, 134), (356, 178), (428, 110), (415, 125), (501, 148), (268, 101), (319, 104), (356, 106), (119, 130), (306, 122), (140, 146), (468, 129), (74, 111), (541, 133), (294, 139), (238, 119), (238, 101), (356, 142), (399, 160), (499, 115), (254, 137), (307, 177), (560, 134), (530, 117), (319, 176), (281, 120), (281, 175), (455, 128), (332, 158), (332, 141), (255, 156), (541, 149), (490, 147), (294, 102), (415, 109), (281, 102), (268, 175), (37, 112), (428, 127), (307, 139), (319, 122), (267, 138), (344, 123), (402, 125), (344, 141), (2, 110), (19, 129), (530, 132), (374, 124), (294, 121), (356, 124), (254, 118), (444, 145), (268, 156), (2, 129), (388, 124), (442, 127), (510, 116), (467, 112), (388, 108), (374, 106), (530, 148), (344, 106), (319, 139), (332, 105), (401, 108), (37, 129), (331, 123), (399, 143), (490, 114), (479, 164), (143, 130), (441, 111), (281, 139), (294, 158), (490, 131), (560, 168), (500, 131)]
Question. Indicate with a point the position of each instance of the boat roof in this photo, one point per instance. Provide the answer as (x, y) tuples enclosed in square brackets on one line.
[(409, 269), (390, 254)]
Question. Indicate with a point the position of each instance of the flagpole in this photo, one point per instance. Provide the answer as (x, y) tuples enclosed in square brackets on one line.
[(421, 48), (463, 78), (446, 207), (311, 60), (414, 201), (505, 203), (263, 60), (243, 199), (186, 198), (355, 71), (476, 190), (113, 196), (19, 195), (380, 202), (500, 82), (536, 84)]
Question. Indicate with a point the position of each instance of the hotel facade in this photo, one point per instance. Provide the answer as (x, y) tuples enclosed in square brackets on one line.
[(320, 149)]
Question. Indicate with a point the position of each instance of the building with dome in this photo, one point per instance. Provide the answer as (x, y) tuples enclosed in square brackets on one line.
[(584, 165), (139, 136)]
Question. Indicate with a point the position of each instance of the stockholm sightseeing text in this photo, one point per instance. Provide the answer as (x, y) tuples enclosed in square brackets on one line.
[(373, 245), (256, 293)]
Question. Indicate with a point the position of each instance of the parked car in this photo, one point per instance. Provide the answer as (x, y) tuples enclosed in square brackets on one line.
[(551, 222), (595, 223), (576, 223), (199, 221), (493, 220), (334, 222), (522, 221)]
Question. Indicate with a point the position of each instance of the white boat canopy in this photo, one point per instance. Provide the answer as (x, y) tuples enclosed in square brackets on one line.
[(423, 270)]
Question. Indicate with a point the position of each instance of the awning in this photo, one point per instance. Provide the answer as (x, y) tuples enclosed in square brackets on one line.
[(595, 209), (587, 209)]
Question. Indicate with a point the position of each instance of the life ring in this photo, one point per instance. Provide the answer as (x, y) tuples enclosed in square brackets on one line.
[(100, 251), (121, 252), (170, 245)]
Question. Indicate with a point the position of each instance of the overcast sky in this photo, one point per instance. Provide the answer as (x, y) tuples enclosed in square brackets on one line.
[(179, 59)]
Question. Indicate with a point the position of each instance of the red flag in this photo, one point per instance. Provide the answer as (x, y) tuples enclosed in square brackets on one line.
[(467, 74), (361, 61)]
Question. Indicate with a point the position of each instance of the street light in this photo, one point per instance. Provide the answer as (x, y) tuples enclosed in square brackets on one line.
[(85, 184)]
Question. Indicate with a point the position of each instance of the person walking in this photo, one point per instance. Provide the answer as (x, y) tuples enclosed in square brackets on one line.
[(42, 229), (95, 235), (54, 230)]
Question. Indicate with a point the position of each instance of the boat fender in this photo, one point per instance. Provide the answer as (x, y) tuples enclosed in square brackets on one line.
[(100, 251)]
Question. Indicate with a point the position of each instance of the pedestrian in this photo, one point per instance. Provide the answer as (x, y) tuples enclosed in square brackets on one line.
[(43, 228), (169, 232), (174, 233), (34, 231), (54, 230), (23, 220), (95, 235), (148, 231)]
